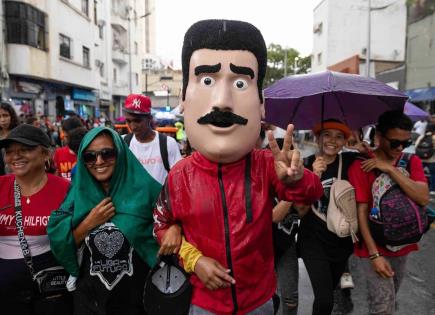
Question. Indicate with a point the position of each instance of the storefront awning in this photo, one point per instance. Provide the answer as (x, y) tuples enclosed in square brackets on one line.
[(421, 95), (83, 95)]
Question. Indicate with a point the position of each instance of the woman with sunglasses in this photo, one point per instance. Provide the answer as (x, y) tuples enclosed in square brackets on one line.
[(27, 197), (107, 217), (325, 254)]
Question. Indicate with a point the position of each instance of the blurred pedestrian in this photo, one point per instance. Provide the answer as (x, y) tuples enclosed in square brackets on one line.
[(27, 198), (155, 151), (8, 121), (108, 216), (65, 158), (34, 121)]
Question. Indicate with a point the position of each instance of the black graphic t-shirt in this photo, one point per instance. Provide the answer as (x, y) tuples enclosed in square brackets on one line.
[(329, 176), (110, 256), (315, 240)]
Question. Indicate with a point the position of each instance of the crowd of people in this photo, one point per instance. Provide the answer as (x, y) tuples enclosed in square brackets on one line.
[(85, 212)]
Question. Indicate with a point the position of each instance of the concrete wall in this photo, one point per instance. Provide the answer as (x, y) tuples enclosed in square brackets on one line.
[(421, 54), (344, 31)]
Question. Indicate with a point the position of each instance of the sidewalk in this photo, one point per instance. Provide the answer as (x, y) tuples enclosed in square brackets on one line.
[(417, 292)]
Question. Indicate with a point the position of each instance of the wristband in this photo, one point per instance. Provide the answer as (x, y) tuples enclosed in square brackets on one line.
[(374, 256)]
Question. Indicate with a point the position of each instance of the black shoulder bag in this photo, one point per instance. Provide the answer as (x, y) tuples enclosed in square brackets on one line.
[(47, 282)]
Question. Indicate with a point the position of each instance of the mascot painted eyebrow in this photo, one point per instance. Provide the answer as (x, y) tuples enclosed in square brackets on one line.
[(222, 195)]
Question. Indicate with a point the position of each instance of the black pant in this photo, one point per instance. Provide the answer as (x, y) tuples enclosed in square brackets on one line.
[(17, 292), (324, 276), (39, 306), (92, 298)]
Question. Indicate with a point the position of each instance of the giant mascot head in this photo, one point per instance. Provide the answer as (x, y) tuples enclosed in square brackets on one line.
[(224, 63)]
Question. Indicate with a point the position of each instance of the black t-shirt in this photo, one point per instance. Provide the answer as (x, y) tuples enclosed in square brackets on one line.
[(315, 240)]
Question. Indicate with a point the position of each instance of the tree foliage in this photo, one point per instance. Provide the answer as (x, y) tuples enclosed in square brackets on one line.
[(276, 63)]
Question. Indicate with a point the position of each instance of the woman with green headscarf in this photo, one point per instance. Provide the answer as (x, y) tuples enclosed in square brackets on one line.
[(107, 219)]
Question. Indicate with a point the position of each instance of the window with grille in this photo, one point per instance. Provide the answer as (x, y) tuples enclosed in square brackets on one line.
[(65, 46), (25, 25), (86, 61), (85, 7)]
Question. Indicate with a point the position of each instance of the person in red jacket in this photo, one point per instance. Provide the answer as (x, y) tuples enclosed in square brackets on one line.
[(222, 195)]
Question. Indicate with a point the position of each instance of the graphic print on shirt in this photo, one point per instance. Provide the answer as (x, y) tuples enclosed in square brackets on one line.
[(111, 255), (322, 204)]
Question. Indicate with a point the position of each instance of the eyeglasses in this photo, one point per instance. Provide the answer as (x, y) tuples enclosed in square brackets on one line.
[(90, 157), (394, 143)]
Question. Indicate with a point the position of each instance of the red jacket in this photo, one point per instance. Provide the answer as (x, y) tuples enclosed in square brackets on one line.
[(225, 211)]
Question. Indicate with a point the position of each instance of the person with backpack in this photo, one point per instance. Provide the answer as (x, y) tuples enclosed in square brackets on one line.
[(391, 192), (156, 152), (324, 253)]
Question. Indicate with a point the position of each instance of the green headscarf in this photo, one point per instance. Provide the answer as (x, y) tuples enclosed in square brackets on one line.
[(133, 192)]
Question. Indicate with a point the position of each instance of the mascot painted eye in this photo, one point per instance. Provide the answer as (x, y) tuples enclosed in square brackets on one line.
[(240, 84), (208, 81)]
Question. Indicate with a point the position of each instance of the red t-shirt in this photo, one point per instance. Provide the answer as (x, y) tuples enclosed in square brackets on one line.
[(363, 182), (64, 159), (36, 214)]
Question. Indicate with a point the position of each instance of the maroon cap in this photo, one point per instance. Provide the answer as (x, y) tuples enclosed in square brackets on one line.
[(137, 104)]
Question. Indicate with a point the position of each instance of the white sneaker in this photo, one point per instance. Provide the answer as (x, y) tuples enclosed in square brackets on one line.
[(346, 281)]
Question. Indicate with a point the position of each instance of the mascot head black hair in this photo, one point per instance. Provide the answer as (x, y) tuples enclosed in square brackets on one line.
[(224, 35)]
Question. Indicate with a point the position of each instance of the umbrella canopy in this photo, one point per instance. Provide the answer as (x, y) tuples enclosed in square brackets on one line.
[(305, 100), (414, 112)]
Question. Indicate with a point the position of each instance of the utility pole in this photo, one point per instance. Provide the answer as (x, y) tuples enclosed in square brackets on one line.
[(368, 38), (368, 50), (295, 65), (129, 53), (285, 62)]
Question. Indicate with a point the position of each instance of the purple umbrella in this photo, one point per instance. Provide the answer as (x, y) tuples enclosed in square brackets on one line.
[(305, 100), (414, 112)]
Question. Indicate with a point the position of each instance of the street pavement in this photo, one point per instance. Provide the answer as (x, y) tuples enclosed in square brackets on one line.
[(417, 292)]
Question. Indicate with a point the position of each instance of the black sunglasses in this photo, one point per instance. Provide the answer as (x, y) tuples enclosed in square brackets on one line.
[(90, 157), (394, 143)]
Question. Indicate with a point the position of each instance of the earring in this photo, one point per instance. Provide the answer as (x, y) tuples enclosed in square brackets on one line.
[(47, 166)]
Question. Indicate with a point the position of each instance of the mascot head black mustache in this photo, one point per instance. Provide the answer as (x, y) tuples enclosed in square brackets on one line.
[(222, 119)]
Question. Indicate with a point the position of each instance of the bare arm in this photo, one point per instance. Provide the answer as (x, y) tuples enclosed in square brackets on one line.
[(379, 264), (280, 211), (417, 191)]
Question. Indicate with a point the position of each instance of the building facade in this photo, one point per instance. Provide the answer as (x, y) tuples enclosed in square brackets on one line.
[(340, 32), (71, 55), (420, 61)]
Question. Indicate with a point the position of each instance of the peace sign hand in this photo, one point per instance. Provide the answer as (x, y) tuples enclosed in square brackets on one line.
[(288, 163)]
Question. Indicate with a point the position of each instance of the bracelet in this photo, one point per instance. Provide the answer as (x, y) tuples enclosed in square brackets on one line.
[(374, 256)]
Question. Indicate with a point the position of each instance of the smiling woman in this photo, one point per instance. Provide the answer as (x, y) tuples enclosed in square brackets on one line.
[(108, 215), (28, 196), (319, 248)]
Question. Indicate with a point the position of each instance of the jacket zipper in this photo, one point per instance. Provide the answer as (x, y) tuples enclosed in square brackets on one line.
[(227, 237)]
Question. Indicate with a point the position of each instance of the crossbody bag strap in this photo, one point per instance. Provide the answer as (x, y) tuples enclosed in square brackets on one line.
[(20, 229), (340, 166)]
